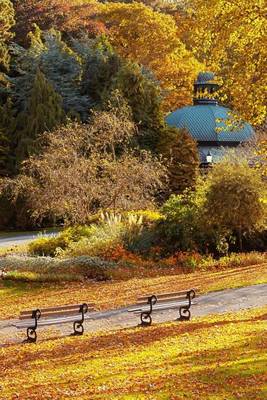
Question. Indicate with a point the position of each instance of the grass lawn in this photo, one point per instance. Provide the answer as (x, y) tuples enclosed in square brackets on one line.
[(16, 296), (213, 358)]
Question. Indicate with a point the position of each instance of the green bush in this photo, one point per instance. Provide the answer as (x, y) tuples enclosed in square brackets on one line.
[(182, 226)]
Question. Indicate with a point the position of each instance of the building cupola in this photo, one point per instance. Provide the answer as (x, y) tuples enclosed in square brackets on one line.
[(205, 88)]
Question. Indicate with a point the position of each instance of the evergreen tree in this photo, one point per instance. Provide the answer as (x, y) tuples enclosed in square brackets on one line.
[(101, 65), (7, 127), (44, 112), (61, 66), (143, 95), (181, 150), (6, 23)]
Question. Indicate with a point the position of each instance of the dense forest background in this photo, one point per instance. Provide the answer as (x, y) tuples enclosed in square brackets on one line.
[(117, 67)]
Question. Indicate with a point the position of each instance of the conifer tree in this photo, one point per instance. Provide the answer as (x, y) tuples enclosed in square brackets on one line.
[(44, 112), (143, 94), (6, 23), (101, 65), (7, 126), (63, 68), (181, 150), (59, 63)]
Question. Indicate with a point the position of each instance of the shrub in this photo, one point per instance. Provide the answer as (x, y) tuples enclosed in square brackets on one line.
[(47, 246), (47, 269), (234, 198), (233, 260), (182, 225), (126, 230), (149, 216), (39, 277), (103, 237), (51, 246)]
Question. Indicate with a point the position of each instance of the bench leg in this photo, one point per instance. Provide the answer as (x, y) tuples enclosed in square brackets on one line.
[(78, 328), (31, 336), (184, 313), (146, 319)]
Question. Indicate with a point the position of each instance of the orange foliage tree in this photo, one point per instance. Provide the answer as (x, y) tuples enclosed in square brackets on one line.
[(68, 16), (230, 38), (151, 39)]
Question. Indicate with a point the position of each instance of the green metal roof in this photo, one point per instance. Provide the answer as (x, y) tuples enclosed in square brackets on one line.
[(203, 121)]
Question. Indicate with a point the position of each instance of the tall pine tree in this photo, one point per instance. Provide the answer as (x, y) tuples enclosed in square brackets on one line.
[(43, 113), (7, 127)]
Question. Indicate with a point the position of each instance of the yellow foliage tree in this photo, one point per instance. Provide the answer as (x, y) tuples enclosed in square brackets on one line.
[(230, 38), (151, 39)]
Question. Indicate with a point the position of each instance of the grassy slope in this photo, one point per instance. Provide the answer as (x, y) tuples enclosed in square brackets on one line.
[(16, 296), (212, 358)]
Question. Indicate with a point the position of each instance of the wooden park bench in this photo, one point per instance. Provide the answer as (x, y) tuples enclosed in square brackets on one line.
[(33, 319), (147, 304)]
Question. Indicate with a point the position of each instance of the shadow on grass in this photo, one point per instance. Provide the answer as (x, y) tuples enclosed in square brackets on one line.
[(93, 345), (238, 372)]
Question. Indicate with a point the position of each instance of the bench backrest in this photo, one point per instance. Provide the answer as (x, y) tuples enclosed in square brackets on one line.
[(59, 311), (166, 297)]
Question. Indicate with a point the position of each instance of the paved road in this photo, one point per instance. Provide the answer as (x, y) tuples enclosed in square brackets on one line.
[(211, 303), (17, 238)]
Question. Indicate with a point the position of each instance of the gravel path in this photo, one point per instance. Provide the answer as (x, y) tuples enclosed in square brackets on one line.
[(211, 303)]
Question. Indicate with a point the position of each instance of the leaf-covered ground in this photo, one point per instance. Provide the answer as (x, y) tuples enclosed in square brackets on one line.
[(214, 358), (16, 296)]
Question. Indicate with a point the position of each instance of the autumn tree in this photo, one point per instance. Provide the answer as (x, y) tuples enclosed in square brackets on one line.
[(180, 149), (71, 17), (151, 39), (84, 168), (229, 38)]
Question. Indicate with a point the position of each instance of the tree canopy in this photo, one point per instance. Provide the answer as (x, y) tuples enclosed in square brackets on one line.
[(229, 38)]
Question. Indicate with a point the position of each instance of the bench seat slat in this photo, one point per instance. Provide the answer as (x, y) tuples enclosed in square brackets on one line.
[(161, 307), (57, 308), (155, 307), (47, 321), (53, 314), (163, 295), (164, 300)]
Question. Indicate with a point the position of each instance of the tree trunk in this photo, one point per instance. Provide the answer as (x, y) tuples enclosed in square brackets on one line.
[(240, 240)]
